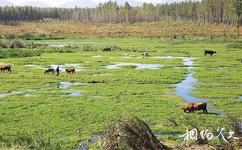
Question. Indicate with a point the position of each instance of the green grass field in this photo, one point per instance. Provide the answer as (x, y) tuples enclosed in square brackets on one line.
[(42, 114)]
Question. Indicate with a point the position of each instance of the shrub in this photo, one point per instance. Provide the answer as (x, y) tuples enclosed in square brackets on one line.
[(235, 123), (3, 44), (26, 141), (6, 53), (239, 46), (88, 48), (11, 36), (17, 44), (28, 36)]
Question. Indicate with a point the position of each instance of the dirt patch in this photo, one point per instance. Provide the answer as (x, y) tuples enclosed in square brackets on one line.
[(196, 147), (232, 145)]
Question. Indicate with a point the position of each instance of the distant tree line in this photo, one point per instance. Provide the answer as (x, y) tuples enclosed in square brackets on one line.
[(207, 11)]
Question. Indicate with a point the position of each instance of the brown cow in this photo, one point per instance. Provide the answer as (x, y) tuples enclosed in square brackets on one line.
[(191, 107), (5, 67), (70, 70)]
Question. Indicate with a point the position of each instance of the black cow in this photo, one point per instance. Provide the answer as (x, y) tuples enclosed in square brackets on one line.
[(107, 49), (210, 52), (50, 70)]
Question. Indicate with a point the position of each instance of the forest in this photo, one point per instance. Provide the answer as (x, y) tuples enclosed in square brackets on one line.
[(206, 11)]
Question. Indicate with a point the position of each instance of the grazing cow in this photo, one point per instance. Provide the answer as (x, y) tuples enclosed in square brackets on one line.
[(210, 52), (70, 70), (145, 54), (107, 49), (50, 70), (5, 67), (196, 106)]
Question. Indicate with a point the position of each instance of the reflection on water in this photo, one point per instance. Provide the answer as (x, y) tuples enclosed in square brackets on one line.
[(185, 88), (74, 93), (137, 66), (93, 139), (15, 92), (66, 85)]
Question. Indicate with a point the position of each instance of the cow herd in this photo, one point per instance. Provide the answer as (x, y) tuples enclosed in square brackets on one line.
[(191, 107), (57, 70), (6, 68)]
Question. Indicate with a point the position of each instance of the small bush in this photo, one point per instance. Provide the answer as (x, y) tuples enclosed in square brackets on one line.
[(235, 123), (17, 44), (28, 36), (114, 48), (11, 36), (3, 44), (18, 53), (239, 46), (88, 48), (26, 141)]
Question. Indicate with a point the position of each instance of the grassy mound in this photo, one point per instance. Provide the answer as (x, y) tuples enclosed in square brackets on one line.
[(132, 134)]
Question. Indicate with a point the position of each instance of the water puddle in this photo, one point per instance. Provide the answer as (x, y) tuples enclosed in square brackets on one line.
[(65, 43), (103, 74), (28, 95), (128, 56), (66, 85), (14, 92), (93, 139), (136, 65), (11, 93), (98, 56), (185, 88), (240, 97), (59, 45), (75, 93)]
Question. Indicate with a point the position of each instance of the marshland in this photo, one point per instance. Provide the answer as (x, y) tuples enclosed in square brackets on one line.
[(41, 110)]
